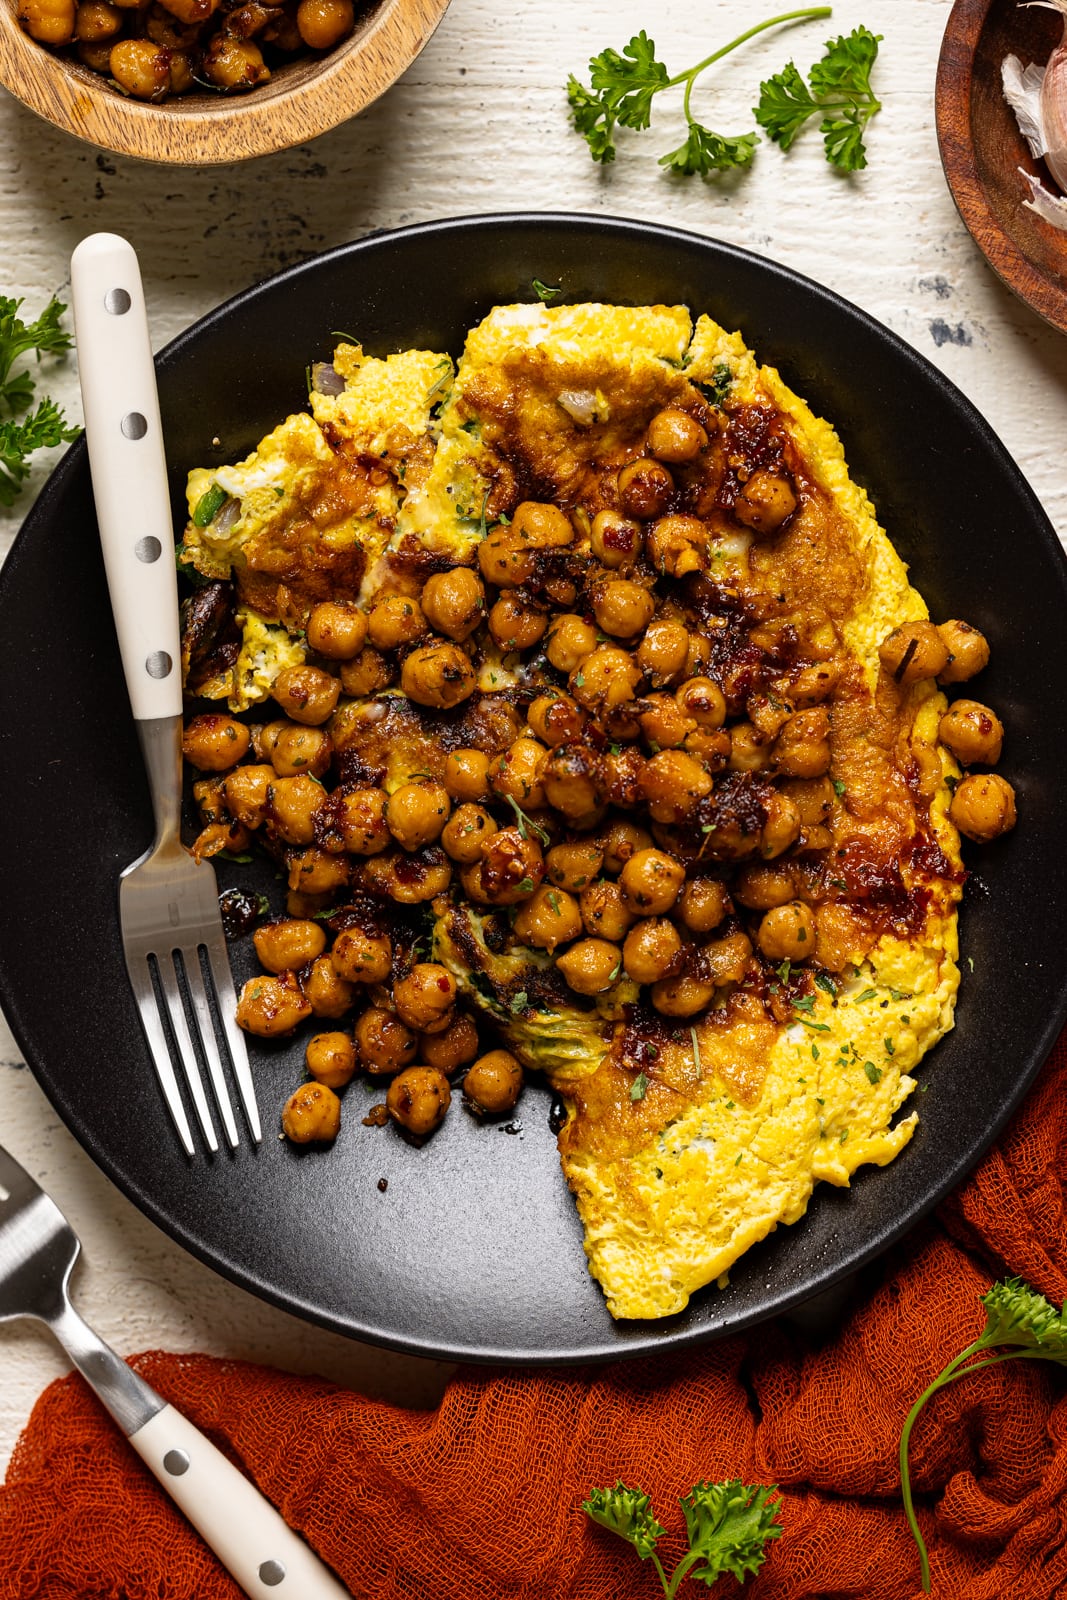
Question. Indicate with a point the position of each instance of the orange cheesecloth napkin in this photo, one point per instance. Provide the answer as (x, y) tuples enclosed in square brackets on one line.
[(480, 1499)]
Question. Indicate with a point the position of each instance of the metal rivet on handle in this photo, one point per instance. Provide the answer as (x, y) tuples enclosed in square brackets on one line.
[(158, 664), (271, 1572), (148, 548), (134, 425), (176, 1462), (117, 301)]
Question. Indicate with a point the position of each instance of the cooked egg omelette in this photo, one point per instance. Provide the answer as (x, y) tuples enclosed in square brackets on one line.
[(702, 1105)]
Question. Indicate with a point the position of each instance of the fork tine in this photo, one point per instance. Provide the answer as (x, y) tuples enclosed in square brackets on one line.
[(169, 983), (198, 994), (215, 946), (147, 1005)]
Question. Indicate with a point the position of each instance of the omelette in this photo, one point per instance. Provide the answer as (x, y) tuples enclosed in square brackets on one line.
[(692, 1130)]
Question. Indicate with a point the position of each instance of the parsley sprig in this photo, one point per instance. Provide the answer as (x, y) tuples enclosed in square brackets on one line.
[(623, 84), (1021, 1325), (23, 431), (838, 88), (728, 1526)]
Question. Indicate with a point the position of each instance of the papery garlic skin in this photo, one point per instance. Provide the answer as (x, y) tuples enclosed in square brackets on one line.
[(1038, 97), (1050, 207), (1022, 91)]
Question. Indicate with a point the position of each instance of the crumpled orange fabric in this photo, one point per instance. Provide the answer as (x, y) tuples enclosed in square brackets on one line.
[(480, 1499)]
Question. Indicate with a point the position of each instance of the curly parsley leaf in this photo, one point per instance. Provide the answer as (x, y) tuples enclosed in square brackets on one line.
[(705, 151), (45, 426), (41, 430), (729, 1526), (627, 1512), (838, 88), (592, 119), (627, 80)]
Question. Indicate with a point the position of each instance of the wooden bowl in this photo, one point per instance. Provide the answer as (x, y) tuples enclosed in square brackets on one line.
[(302, 99), (982, 148)]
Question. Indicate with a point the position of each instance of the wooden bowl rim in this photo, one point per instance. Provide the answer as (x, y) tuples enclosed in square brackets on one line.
[(210, 130), (952, 104)]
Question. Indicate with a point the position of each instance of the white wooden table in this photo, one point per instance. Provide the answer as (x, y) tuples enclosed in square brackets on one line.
[(480, 124)]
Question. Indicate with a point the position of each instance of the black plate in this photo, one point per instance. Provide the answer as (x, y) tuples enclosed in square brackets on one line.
[(475, 1250)]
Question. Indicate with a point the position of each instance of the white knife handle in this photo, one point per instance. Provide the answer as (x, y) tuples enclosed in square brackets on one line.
[(254, 1544), (125, 439)]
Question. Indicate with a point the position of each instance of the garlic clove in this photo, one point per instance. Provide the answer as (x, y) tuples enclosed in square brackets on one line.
[(1050, 207)]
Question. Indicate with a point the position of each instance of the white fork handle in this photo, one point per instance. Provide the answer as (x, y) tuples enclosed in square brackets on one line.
[(125, 439), (254, 1544)]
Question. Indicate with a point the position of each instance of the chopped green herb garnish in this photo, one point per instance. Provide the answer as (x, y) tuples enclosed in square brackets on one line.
[(806, 1003), (546, 291), (696, 1051), (526, 886), (209, 505), (638, 1087), (839, 788), (520, 1001), (868, 994), (874, 1074), (826, 983), (890, 1047), (816, 1027)]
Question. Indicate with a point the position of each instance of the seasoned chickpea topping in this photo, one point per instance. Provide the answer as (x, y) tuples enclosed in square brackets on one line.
[(968, 651), (493, 1084), (622, 840), (384, 1043), (570, 641), (651, 882), (765, 502), (465, 832), (424, 999), (914, 651), (272, 1007), (289, 943), (615, 540), (416, 813), (295, 749), (395, 620), (515, 626), (366, 673), (312, 1115), (549, 918), (703, 701), (454, 602), (452, 1049), (591, 966), (651, 950), (674, 784), (438, 675), (573, 866), (664, 650), (787, 932), (337, 629), (331, 1059), (215, 743), (417, 1100), (675, 437), (973, 733), (983, 807), (362, 957), (704, 903), (645, 488), (622, 608), (605, 913), (467, 775), (307, 694), (328, 994), (556, 719)]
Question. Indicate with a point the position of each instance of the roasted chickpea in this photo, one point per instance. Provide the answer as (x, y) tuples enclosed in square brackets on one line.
[(662, 724), (572, 781), (362, 957), (354, 822), (417, 1099), (247, 793), (323, 22), (555, 719), (438, 675), (810, 686), (781, 828), (726, 960), (615, 540), (505, 561), (620, 840), (573, 866), (651, 881), (96, 56), (138, 66), (270, 1007), (215, 743), (839, 939), (50, 21), (288, 943), (454, 602), (367, 673), (328, 994), (467, 775), (711, 747), (802, 749), (623, 766), (298, 904), (983, 807), (703, 904), (218, 836), (674, 785), (622, 608), (465, 831), (605, 914), (337, 629), (968, 651), (311, 1115), (651, 949), (511, 868), (645, 488), (760, 887), (410, 879), (591, 966), (973, 733), (787, 932), (682, 996), (493, 1084), (549, 918), (663, 651), (675, 436), (297, 749), (307, 694), (453, 1048), (181, 72), (385, 1044), (677, 545), (703, 701), (605, 680), (424, 999), (96, 21), (292, 807), (749, 750), (416, 813), (570, 640), (331, 1059), (912, 652), (515, 626), (542, 525), (517, 773), (232, 64), (395, 620), (766, 501), (316, 872)]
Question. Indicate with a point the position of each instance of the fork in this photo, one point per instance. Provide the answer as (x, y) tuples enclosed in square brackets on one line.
[(38, 1249), (172, 934)]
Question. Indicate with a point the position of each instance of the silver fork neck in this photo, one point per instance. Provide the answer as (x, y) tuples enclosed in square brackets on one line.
[(161, 745), (130, 1400)]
